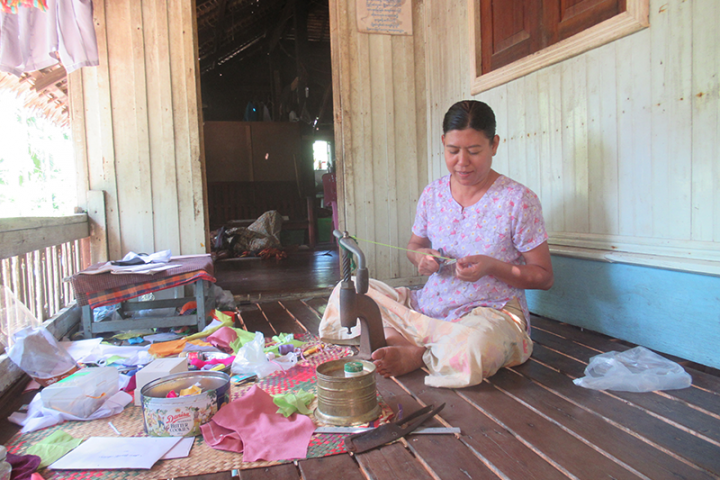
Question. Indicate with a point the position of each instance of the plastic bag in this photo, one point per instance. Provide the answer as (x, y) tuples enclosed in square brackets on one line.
[(251, 358), (38, 354), (635, 370), (108, 312), (83, 392), (14, 316)]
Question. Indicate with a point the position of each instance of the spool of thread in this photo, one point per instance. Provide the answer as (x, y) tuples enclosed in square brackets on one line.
[(285, 349), (353, 369)]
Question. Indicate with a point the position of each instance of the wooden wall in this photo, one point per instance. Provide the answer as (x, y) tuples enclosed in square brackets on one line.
[(380, 134), (137, 130), (621, 144), (256, 151)]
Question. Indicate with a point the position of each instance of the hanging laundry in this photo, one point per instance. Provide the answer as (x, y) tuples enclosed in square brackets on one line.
[(12, 6), (33, 38)]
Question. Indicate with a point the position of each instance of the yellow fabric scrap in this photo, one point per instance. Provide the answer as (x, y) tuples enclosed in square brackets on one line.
[(194, 390), (166, 349), (225, 321)]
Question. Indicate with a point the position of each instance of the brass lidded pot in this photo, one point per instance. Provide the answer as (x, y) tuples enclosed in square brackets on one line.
[(346, 396)]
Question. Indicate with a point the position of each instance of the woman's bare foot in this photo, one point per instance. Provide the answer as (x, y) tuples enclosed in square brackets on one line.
[(394, 361)]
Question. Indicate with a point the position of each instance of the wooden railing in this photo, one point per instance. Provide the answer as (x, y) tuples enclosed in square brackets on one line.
[(37, 253)]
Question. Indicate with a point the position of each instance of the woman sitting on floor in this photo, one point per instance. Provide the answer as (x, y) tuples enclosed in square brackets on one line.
[(471, 320)]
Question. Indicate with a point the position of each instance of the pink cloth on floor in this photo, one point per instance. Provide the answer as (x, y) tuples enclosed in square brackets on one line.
[(222, 338), (252, 425), (221, 438)]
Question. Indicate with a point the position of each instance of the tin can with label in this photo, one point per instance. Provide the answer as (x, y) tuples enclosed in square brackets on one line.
[(182, 416)]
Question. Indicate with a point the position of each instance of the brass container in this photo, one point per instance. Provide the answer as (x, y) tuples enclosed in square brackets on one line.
[(345, 400)]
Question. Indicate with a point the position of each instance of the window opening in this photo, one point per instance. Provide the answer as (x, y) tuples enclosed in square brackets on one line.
[(37, 170), (321, 154)]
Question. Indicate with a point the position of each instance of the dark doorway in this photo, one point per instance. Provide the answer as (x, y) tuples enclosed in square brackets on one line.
[(266, 84)]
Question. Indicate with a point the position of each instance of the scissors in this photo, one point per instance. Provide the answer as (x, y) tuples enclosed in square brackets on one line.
[(443, 262), (362, 442)]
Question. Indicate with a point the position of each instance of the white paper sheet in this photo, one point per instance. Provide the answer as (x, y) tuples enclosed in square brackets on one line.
[(80, 349), (147, 269), (181, 450), (112, 453)]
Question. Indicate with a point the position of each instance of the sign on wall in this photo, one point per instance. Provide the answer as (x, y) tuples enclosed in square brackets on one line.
[(392, 17)]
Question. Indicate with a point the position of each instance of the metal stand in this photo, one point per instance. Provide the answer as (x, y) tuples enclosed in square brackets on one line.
[(354, 304)]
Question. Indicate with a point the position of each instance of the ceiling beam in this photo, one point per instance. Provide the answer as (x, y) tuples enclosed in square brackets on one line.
[(287, 13), (45, 80), (301, 41)]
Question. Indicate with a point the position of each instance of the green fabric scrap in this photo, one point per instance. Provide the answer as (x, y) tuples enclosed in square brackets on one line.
[(132, 334), (53, 447), (115, 359), (290, 402), (243, 337)]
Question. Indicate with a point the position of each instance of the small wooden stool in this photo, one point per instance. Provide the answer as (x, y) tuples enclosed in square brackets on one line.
[(98, 290)]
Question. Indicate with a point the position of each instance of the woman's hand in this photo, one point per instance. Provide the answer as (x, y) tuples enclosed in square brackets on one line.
[(537, 273), (472, 268), (417, 248), (427, 265)]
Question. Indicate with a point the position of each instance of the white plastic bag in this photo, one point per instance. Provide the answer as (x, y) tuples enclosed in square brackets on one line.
[(14, 316), (83, 392), (39, 355), (635, 370), (251, 358)]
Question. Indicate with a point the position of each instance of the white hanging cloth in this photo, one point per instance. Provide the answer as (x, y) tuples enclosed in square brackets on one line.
[(33, 39)]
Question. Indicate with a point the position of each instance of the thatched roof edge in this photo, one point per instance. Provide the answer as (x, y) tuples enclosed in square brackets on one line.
[(44, 92)]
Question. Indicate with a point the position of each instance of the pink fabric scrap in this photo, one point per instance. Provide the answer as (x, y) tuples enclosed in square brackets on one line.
[(222, 338), (252, 425), (221, 438), (199, 364)]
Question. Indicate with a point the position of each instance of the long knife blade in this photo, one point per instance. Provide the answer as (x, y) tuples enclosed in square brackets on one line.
[(418, 431)]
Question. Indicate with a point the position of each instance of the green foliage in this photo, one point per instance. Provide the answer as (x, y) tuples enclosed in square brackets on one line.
[(36, 164)]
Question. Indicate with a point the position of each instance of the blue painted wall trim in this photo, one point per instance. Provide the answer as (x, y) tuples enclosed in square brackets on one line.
[(672, 312)]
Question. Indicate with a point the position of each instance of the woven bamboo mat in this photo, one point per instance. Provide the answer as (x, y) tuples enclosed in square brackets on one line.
[(203, 459)]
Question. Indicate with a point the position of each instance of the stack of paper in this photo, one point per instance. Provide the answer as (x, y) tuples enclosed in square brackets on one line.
[(112, 453)]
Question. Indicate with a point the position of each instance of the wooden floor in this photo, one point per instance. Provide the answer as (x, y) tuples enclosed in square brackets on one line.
[(303, 272), (527, 422)]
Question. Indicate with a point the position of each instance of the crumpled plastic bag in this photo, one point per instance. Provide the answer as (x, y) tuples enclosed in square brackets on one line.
[(14, 316), (635, 370), (39, 416), (38, 354), (251, 358)]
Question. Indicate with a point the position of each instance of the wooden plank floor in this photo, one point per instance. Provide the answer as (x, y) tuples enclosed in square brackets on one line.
[(527, 422), (301, 272)]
